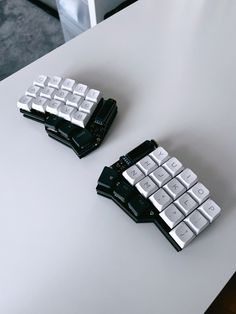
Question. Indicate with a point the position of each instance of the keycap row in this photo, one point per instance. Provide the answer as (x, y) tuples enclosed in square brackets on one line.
[(69, 85)]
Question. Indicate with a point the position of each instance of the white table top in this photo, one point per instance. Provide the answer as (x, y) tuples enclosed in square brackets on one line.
[(171, 66)]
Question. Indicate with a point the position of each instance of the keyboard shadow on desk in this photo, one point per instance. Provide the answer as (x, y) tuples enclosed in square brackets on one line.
[(189, 149)]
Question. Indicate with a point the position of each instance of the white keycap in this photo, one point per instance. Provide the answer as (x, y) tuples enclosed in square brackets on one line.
[(80, 118), (40, 104), (147, 165), (33, 91), (210, 210), (88, 107), (93, 95), (42, 81), (173, 166), (53, 106), (74, 100), (174, 188), (171, 215), (188, 178), (68, 84), (182, 235), (81, 90), (55, 82), (146, 187), (160, 176), (25, 103), (186, 203), (196, 221), (199, 192), (47, 92), (160, 199), (160, 155), (133, 175), (62, 95), (66, 112)]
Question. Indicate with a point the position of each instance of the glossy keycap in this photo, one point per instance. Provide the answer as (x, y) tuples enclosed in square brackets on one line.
[(68, 84), (160, 199), (186, 204), (160, 176), (93, 95), (74, 100), (174, 188), (55, 82), (88, 107), (25, 103), (33, 91), (182, 234), (66, 112), (188, 178), (61, 95), (199, 192), (80, 118), (81, 90), (40, 104), (147, 165), (53, 106), (47, 92), (171, 215), (160, 155), (210, 210), (196, 221), (133, 175), (41, 80), (173, 166), (146, 187)]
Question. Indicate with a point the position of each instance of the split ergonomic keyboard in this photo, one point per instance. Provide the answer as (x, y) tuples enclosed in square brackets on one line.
[(151, 186), (73, 113)]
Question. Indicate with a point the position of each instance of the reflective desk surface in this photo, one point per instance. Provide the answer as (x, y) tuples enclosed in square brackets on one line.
[(171, 66)]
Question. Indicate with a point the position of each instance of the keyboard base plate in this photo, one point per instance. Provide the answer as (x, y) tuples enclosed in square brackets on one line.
[(34, 115)]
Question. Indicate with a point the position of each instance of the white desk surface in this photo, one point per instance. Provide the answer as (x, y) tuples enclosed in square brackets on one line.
[(171, 65)]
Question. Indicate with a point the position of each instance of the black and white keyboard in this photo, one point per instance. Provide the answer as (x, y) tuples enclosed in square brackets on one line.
[(73, 113), (151, 186)]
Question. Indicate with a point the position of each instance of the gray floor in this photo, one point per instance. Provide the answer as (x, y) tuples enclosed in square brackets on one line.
[(26, 34)]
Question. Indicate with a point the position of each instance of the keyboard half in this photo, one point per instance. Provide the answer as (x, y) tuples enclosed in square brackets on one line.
[(151, 186), (73, 113)]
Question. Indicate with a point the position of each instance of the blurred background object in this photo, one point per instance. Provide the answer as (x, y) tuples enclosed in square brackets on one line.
[(31, 28), (74, 17), (26, 33)]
